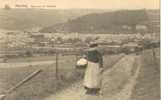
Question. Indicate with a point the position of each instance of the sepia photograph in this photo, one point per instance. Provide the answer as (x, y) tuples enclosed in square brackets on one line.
[(80, 50)]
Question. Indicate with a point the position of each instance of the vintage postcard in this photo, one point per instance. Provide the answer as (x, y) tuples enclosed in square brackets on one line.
[(79, 50)]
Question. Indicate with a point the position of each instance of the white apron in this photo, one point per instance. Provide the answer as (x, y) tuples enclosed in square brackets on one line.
[(92, 78)]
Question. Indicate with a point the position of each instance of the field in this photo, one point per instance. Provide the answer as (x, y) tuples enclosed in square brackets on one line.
[(31, 59), (148, 86), (24, 44), (45, 83), (132, 78)]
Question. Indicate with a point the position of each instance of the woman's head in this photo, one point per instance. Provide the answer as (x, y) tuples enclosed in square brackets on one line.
[(93, 44)]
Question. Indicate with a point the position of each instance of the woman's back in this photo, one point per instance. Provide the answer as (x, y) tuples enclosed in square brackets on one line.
[(93, 56)]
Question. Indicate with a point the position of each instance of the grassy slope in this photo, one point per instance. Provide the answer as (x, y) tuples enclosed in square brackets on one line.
[(40, 86), (148, 87), (43, 84)]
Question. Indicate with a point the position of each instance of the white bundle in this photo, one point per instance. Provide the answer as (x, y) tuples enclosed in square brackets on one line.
[(81, 63)]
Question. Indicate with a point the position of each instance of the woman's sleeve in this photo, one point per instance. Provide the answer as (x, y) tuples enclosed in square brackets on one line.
[(85, 55)]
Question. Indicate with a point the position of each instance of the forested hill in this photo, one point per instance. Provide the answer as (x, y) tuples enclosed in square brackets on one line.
[(30, 19), (107, 22)]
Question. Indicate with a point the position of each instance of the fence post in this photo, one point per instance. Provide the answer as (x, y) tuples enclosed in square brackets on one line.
[(154, 55), (57, 65), (76, 57), (155, 59), (56, 71)]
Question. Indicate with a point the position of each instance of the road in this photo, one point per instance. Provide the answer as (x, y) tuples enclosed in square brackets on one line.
[(118, 83), (26, 64)]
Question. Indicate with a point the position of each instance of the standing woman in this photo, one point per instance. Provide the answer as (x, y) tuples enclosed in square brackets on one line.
[(94, 69)]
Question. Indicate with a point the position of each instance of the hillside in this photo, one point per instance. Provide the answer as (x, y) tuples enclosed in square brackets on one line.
[(148, 86), (106, 22), (27, 19)]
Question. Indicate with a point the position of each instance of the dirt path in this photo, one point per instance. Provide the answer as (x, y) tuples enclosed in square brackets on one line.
[(1, 86), (118, 83), (26, 64)]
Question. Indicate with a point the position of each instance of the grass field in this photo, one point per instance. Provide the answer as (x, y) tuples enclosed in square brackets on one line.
[(148, 86), (31, 59), (44, 84)]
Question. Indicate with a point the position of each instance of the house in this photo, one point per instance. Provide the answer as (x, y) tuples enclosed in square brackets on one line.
[(141, 27)]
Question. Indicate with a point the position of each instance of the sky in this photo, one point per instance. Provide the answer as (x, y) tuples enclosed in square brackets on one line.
[(95, 4)]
